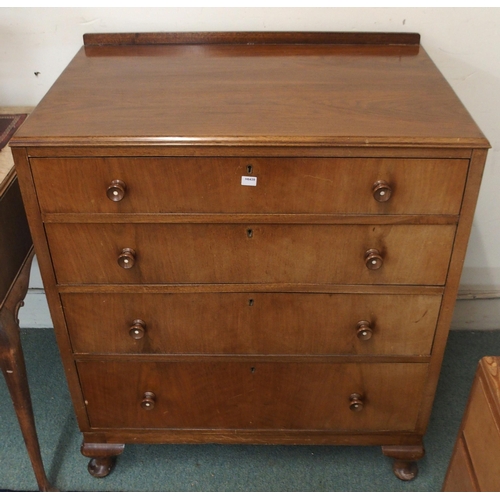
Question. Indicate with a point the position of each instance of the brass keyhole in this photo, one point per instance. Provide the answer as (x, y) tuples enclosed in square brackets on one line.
[(250, 233), (250, 302), (249, 169)]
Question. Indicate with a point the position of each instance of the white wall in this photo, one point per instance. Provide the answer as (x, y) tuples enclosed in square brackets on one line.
[(463, 42)]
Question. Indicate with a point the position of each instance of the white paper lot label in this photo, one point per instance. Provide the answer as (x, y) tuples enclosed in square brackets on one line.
[(248, 181)]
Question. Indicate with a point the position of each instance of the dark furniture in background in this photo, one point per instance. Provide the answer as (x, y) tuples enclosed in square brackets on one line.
[(475, 462), (16, 254)]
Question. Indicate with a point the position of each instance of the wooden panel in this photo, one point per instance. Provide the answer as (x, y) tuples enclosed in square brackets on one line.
[(248, 151), (252, 323), (21, 158), (245, 37), (254, 396), (453, 281), (228, 253), (284, 185), (250, 436), (482, 436), (490, 372), (196, 218), (253, 288), (460, 477)]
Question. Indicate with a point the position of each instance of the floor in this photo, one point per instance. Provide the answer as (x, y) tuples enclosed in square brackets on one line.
[(179, 468)]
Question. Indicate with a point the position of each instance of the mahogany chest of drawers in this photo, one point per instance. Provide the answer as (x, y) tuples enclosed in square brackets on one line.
[(251, 237)]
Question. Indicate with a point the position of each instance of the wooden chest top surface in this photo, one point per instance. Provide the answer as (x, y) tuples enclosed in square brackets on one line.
[(328, 91)]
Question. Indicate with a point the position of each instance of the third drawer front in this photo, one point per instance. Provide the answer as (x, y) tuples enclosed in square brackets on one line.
[(258, 253), (245, 395), (251, 323)]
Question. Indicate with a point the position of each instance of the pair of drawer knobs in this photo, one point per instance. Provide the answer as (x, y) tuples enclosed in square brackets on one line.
[(149, 399), (373, 259), (137, 330), (381, 190)]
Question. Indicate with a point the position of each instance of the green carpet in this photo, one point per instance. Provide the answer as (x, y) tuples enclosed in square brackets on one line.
[(182, 468)]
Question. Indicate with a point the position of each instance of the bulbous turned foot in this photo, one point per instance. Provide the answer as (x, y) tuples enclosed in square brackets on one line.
[(102, 457), (405, 457), (406, 471), (101, 467)]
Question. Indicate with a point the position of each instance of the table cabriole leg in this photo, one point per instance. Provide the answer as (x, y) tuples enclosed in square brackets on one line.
[(14, 371)]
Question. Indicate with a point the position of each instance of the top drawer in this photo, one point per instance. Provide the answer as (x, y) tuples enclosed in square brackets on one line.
[(283, 185)]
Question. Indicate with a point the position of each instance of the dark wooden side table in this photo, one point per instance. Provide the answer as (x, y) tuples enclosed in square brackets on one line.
[(16, 254)]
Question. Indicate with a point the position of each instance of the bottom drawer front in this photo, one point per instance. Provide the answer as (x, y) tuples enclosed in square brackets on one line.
[(246, 395)]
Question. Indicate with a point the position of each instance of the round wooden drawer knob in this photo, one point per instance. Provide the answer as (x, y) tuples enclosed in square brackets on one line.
[(138, 329), (356, 402), (127, 258), (382, 191), (373, 259), (364, 330), (148, 401), (116, 190)]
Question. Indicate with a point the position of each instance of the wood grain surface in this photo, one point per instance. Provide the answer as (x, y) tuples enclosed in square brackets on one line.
[(283, 185), (231, 395), (262, 94), (252, 323), (229, 253)]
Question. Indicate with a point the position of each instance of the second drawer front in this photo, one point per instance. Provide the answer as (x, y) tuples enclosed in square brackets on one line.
[(238, 253), (246, 323), (243, 395)]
